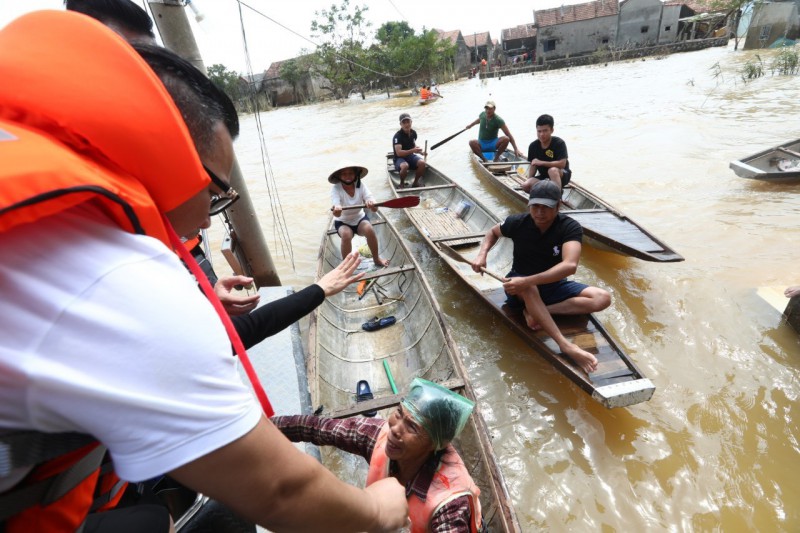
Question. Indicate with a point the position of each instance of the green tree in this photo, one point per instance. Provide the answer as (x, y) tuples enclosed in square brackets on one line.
[(292, 73), (393, 32), (227, 80), (342, 54)]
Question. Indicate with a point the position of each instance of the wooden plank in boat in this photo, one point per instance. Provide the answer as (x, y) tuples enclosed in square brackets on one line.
[(388, 271), (444, 225), (387, 401), (605, 223)]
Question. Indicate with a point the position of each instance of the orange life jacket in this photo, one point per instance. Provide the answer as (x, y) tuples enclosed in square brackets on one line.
[(82, 117), (450, 481), (424, 93)]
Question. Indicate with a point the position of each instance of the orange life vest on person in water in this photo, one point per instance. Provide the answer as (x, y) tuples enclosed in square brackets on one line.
[(82, 118), (450, 481)]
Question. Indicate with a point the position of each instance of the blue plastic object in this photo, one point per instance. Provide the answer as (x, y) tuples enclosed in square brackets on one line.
[(378, 323)]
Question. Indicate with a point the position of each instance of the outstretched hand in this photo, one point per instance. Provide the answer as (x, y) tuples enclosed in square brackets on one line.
[(340, 277), (234, 304), (791, 292)]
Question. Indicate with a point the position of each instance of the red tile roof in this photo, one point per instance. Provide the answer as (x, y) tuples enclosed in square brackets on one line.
[(576, 12), (451, 36), (523, 31), (482, 39)]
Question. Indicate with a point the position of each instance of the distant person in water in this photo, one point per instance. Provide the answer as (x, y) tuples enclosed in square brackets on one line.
[(547, 248), (406, 152), (548, 156), (487, 140), (349, 190)]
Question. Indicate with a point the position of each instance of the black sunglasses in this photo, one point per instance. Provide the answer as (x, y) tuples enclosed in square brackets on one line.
[(220, 202)]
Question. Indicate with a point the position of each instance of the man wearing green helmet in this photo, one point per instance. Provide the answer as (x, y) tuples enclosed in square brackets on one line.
[(414, 446)]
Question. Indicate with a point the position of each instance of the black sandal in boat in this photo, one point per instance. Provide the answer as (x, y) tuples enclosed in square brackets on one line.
[(364, 393), (378, 323)]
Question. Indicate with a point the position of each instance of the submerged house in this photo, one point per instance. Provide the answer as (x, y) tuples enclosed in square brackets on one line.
[(481, 46), (462, 60), (577, 29), (639, 24), (519, 39), (770, 22)]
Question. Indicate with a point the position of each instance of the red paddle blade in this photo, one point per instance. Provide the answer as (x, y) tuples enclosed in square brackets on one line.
[(403, 201)]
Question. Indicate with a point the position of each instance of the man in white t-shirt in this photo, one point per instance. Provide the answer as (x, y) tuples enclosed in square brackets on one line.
[(103, 330)]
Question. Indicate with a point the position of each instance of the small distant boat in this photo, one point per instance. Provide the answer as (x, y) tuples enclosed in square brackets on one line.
[(779, 163), (449, 215), (604, 226), (788, 307), (416, 343), (429, 100)]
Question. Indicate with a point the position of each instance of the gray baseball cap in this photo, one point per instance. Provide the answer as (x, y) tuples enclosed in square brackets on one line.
[(545, 193)]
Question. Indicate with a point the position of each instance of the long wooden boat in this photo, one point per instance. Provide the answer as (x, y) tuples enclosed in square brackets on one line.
[(775, 164), (604, 226), (447, 214), (418, 344)]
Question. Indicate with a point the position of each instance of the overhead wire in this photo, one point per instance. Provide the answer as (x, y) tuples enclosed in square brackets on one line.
[(343, 58), (280, 226)]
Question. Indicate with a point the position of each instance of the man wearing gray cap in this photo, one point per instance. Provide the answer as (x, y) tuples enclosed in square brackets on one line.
[(406, 152), (487, 140), (547, 248)]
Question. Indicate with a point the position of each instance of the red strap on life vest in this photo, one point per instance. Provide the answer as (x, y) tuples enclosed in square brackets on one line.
[(238, 347)]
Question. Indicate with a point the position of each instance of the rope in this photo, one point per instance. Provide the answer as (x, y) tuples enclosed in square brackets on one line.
[(280, 230)]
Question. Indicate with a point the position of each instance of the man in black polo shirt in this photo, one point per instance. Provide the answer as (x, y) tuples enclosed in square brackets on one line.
[(547, 248), (404, 146), (548, 156)]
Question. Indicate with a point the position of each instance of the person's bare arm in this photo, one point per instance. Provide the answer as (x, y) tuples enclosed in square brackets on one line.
[(340, 277), (791, 292), (399, 152), (265, 479), (511, 140), (560, 163), (476, 121), (489, 240), (570, 255)]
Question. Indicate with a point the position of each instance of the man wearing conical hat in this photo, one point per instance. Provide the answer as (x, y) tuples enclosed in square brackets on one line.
[(349, 191)]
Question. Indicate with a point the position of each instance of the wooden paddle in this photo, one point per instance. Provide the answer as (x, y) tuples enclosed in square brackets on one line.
[(437, 145), (425, 156), (452, 254), (395, 203)]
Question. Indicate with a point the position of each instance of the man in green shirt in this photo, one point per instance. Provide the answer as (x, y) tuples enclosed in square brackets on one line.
[(487, 140)]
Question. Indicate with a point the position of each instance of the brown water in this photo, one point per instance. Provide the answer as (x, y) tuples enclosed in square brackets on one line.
[(717, 446)]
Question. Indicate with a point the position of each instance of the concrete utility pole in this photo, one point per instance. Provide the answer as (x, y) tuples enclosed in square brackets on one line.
[(250, 247)]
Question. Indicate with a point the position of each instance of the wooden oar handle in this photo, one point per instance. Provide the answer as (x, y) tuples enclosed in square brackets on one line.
[(496, 276)]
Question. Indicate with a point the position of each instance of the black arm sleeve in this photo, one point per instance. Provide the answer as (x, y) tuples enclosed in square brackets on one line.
[(275, 316)]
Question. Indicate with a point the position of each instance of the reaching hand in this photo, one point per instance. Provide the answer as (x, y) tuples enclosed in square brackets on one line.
[(792, 291), (389, 498), (337, 210), (340, 277), (234, 304)]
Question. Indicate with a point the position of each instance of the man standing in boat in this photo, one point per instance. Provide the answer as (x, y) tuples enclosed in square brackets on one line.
[(406, 152), (547, 248), (487, 140), (413, 446), (548, 156)]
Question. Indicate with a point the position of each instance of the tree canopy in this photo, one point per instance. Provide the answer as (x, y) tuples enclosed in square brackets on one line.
[(351, 59)]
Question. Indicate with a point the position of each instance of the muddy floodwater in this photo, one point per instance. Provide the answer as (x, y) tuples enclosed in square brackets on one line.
[(716, 449)]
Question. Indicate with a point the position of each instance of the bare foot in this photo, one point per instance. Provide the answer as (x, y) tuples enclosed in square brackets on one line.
[(381, 262), (584, 359), (535, 326), (416, 184)]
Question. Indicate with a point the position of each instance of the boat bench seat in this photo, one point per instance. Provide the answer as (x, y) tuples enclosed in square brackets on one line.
[(388, 271), (385, 402)]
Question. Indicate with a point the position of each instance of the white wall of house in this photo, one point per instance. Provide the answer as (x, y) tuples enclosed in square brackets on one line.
[(638, 22), (669, 24), (574, 38)]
